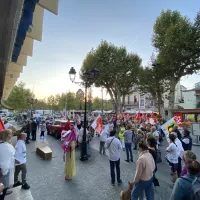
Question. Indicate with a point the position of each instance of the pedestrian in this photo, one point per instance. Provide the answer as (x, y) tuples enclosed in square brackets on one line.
[(103, 137), (6, 162), (143, 181), (138, 137), (28, 131), (43, 129), (121, 136), (128, 143), (1, 189), (38, 120), (186, 140), (33, 129), (69, 146), (175, 129), (20, 157), (183, 187), (180, 154), (114, 148), (151, 142), (156, 134), (172, 156), (188, 157), (68, 125)]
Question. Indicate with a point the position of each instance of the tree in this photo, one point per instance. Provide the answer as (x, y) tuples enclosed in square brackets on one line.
[(151, 81), (96, 104), (118, 70), (80, 97), (177, 42), (19, 98)]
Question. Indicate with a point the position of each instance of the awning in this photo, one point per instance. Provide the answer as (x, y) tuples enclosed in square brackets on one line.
[(29, 28)]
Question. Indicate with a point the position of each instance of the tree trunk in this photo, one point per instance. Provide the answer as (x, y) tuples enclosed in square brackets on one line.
[(123, 102), (162, 109), (173, 83)]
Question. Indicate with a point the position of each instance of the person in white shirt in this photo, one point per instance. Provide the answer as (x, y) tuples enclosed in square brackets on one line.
[(180, 153), (6, 161), (114, 147), (7, 124), (103, 137), (172, 156), (20, 157)]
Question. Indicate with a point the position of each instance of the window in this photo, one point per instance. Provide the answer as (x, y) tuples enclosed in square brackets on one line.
[(135, 99), (142, 103), (128, 99), (57, 123)]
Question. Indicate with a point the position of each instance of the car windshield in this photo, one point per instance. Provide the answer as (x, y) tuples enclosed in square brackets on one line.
[(57, 123), (63, 124)]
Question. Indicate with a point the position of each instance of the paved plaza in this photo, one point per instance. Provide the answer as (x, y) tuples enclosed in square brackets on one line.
[(92, 181)]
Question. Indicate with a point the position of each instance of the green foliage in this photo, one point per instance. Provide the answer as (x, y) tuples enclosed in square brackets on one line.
[(20, 97), (97, 104), (80, 97), (118, 69), (177, 41)]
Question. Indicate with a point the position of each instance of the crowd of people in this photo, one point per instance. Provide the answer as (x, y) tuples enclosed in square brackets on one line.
[(116, 136)]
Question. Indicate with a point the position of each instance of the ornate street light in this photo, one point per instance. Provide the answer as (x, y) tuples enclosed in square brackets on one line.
[(72, 74), (89, 78)]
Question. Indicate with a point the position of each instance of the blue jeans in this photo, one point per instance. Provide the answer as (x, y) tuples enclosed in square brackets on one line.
[(128, 151), (141, 188)]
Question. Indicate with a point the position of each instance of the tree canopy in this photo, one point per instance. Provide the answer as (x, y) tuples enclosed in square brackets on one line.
[(177, 41), (118, 70), (20, 97)]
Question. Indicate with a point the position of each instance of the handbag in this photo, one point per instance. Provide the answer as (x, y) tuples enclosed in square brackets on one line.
[(155, 181), (158, 156)]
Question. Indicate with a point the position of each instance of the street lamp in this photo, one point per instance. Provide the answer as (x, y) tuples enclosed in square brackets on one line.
[(89, 78), (32, 101)]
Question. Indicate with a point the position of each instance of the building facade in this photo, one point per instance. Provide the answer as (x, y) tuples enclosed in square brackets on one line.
[(138, 101)]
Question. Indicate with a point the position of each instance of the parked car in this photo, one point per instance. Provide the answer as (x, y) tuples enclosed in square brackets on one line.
[(56, 128)]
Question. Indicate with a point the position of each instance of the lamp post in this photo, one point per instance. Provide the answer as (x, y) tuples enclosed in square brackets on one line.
[(32, 101), (89, 78), (102, 101)]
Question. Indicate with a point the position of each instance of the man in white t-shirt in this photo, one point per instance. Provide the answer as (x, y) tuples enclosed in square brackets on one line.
[(114, 148), (103, 137), (180, 153), (20, 157), (172, 156)]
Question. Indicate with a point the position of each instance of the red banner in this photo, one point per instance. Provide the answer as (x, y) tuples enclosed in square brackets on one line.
[(1, 125), (178, 118)]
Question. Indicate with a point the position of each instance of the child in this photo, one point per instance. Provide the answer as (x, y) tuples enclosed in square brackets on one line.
[(43, 128), (20, 158)]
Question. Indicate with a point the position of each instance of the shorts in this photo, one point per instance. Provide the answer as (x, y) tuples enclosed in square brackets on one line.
[(174, 167)]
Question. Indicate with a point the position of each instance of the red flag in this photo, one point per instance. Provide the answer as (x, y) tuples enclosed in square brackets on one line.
[(178, 119), (1, 125)]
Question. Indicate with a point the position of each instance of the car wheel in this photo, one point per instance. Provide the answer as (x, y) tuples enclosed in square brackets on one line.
[(48, 132), (57, 135)]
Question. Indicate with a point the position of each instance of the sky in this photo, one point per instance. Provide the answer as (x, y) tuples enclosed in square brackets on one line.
[(81, 25)]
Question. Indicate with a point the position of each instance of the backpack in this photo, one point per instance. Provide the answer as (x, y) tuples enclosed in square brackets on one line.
[(195, 195), (194, 189)]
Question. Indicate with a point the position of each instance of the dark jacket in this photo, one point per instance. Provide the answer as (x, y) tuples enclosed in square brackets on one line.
[(187, 143), (33, 126)]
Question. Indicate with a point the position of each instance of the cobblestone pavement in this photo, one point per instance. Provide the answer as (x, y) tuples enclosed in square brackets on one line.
[(92, 181)]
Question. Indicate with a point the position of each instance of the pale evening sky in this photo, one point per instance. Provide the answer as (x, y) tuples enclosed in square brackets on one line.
[(81, 25)]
